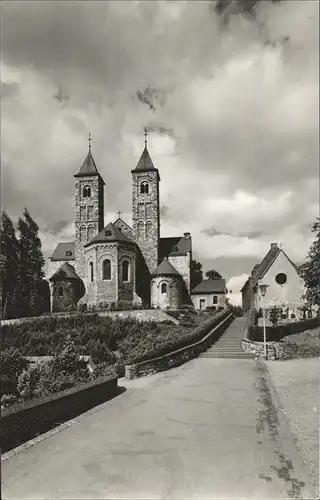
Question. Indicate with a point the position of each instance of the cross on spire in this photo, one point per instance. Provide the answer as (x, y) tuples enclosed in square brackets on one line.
[(89, 141), (119, 213), (145, 136)]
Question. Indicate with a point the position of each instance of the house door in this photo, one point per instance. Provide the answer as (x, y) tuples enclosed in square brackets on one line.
[(202, 304)]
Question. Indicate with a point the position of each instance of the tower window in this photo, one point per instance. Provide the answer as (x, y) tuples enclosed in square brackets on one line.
[(215, 300), (83, 233), (106, 269), (144, 187), (148, 229), (140, 230), (164, 288), (86, 192), (91, 271), (125, 270)]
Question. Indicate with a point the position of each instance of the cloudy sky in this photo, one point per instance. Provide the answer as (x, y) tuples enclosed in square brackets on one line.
[(231, 102)]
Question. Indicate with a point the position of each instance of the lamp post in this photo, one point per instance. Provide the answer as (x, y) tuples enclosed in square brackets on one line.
[(263, 291)]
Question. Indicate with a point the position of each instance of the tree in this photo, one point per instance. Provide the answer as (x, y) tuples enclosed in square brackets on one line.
[(31, 265), (195, 274), (213, 275), (9, 269), (310, 271)]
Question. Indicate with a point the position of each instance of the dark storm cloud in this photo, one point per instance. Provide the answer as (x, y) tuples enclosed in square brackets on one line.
[(227, 114)]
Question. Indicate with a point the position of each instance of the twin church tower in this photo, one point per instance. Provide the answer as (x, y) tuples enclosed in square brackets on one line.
[(119, 263)]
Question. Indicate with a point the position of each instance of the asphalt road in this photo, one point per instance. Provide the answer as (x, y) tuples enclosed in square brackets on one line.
[(209, 429)]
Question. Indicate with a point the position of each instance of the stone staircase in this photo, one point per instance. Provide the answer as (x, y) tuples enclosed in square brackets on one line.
[(229, 344)]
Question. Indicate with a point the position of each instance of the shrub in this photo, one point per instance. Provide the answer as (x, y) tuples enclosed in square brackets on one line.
[(275, 333), (12, 365)]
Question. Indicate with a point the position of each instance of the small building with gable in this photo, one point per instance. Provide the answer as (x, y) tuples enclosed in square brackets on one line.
[(210, 293)]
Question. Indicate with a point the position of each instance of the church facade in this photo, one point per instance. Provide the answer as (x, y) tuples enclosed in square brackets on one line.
[(117, 263)]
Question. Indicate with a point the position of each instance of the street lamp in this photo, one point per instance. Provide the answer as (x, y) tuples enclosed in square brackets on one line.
[(263, 291)]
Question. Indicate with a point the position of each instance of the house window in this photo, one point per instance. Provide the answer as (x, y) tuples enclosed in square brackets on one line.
[(125, 270), (106, 269), (215, 300), (281, 278), (86, 192), (144, 188), (164, 288), (60, 291), (91, 271)]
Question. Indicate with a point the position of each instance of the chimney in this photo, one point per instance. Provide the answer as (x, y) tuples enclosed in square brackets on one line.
[(273, 245), (186, 235)]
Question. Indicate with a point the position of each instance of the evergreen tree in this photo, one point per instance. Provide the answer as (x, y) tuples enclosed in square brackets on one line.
[(31, 265), (195, 274), (310, 271), (9, 269)]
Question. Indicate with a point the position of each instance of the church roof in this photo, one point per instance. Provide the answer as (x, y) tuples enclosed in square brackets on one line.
[(145, 163), (63, 250), (66, 271), (175, 246), (210, 286), (89, 167), (165, 268), (110, 233)]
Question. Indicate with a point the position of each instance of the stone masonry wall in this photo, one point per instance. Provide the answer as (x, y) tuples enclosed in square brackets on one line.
[(146, 216), (172, 298), (126, 289), (182, 263), (88, 217)]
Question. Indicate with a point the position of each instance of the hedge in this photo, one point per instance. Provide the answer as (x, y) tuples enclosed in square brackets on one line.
[(192, 336), (275, 333)]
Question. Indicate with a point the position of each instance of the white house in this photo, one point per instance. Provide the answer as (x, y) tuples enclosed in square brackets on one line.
[(284, 290), (209, 293)]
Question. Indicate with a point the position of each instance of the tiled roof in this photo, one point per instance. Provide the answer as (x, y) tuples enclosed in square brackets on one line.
[(210, 286), (66, 271), (145, 163), (260, 270), (88, 168), (62, 251), (179, 245), (165, 268), (110, 233)]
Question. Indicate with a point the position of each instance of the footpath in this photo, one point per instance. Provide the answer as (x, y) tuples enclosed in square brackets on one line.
[(210, 429)]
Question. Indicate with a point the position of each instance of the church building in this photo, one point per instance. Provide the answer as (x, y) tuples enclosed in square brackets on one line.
[(117, 263)]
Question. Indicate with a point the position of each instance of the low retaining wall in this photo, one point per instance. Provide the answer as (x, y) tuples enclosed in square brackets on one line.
[(179, 356), (26, 420), (257, 349)]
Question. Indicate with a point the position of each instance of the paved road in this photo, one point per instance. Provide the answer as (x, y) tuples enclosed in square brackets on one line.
[(208, 429)]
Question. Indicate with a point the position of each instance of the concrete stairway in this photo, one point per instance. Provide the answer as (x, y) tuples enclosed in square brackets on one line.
[(229, 344)]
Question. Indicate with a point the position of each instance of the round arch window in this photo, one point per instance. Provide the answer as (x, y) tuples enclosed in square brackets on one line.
[(281, 278)]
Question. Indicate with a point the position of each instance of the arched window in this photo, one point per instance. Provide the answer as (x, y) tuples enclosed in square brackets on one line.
[(91, 271), (106, 269), (144, 187), (140, 230), (60, 291), (215, 300), (125, 270), (91, 232), (148, 229), (83, 233), (86, 192), (164, 288)]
